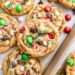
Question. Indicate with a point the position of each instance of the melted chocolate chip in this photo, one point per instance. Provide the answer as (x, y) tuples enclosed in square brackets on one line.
[(12, 64), (24, 2), (33, 30), (5, 38), (39, 42), (73, 11)]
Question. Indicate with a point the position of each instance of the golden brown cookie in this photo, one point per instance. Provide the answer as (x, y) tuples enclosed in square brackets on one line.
[(61, 72), (8, 27), (52, 0), (17, 7), (68, 3), (48, 12), (17, 63), (38, 38), (70, 64)]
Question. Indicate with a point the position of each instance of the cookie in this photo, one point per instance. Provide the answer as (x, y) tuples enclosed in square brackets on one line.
[(17, 63), (38, 38), (68, 3), (8, 27), (48, 12), (61, 72), (17, 7), (70, 64), (52, 0)]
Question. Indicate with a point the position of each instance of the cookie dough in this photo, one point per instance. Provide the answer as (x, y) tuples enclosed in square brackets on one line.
[(38, 38), (8, 27), (17, 7), (17, 63)]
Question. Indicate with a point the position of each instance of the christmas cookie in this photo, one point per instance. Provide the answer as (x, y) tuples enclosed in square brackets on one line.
[(52, 0), (17, 7), (17, 63), (68, 3), (61, 72), (48, 12), (8, 27), (38, 38), (70, 64)]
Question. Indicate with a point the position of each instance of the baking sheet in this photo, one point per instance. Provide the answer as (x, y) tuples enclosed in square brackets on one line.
[(61, 63), (45, 61)]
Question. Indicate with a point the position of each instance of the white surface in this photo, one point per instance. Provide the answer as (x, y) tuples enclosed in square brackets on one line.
[(45, 61)]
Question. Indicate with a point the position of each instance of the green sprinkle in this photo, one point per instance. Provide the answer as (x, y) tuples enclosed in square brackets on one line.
[(53, 42), (29, 46), (38, 35)]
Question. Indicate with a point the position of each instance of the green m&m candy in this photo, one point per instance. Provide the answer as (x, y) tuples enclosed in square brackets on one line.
[(70, 61), (25, 56), (18, 8), (29, 39), (2, 22), (73, 1)]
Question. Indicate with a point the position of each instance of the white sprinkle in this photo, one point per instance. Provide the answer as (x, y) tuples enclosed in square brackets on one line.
[(1, 36), (57, 13), (0, 32), (22, 68), (29, 2), (12, 32)]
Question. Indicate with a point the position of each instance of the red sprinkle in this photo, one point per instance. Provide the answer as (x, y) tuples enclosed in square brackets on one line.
[(27, 73), (47, 9), (22, 30), (46, 18), (67, 29), (51, 35), (48, 0), (67, 17)]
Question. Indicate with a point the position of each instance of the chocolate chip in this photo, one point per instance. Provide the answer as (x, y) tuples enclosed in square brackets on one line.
[(5, 38), (39, 42), (24, 2), (12, 65), (73, 11), (33, 30)]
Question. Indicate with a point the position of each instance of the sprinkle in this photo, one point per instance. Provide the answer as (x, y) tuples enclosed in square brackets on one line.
[(0, 66)]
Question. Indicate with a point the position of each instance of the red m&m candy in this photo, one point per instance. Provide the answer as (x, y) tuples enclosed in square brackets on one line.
[(67, 29), (47, 9), (67, 17)]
